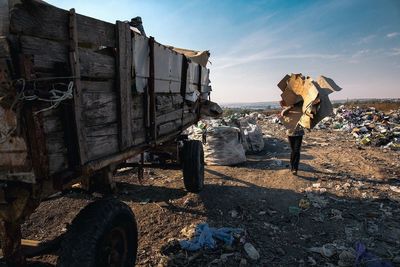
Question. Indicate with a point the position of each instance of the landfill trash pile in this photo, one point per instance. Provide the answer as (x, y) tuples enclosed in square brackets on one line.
[(226, 141), (367, 125)]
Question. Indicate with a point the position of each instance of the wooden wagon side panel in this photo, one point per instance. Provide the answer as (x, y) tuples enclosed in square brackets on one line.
[(44, 34), (131, 89), (140, 74), (49, 22), (100, 118)]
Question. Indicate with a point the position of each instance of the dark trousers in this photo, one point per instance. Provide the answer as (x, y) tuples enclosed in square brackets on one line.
[(295, 145)]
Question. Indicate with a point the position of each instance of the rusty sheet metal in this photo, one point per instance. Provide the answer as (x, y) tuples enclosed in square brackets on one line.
[(167, 69), (200, 57), (141, 61)]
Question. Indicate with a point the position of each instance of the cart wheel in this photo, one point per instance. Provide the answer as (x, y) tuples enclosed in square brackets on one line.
[(193, 165), (103, 234)]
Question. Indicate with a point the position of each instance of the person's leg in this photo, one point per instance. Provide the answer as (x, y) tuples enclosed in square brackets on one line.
[(292, 149), (297, 148)]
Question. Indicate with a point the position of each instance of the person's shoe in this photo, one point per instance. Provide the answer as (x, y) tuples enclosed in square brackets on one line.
[(294, 172)]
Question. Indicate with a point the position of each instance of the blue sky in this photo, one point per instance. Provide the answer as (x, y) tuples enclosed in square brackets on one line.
[(255, 43)]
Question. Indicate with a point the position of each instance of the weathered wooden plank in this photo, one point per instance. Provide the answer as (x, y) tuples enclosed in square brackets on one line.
[(169, 127), (77, 99), (109, 129), (14, 155), (139, 138), (174, 115), (184, 76), (124, 61), (55, 143), (167, 102), (99, 103), (98, 86), (151, 102), (93, 100), (96, 65), (104, 114), (189, 118), (4, 18), (138, 125), (137, 106), (52, 57), (37, 142), (137, 112), (57, 163), (52, 124), (4, 47), (49, 22), (102, 140)]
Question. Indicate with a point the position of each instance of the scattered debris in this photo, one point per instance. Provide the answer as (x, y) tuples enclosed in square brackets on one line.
[(205, 237), (327, 250), (366, 258), (304, 204), (347, 257), (251, 251), (368, 126)]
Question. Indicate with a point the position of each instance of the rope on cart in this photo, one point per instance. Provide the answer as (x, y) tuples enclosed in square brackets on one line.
[(55, 98)]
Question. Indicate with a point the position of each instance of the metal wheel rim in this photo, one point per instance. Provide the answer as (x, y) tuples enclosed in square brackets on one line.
[(115, 248)]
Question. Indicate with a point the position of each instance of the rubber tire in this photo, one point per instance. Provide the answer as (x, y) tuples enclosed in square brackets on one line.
[(193, 165), (82, 243)]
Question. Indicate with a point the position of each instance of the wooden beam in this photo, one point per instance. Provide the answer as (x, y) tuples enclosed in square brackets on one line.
[(42, 20), (124, 86), (48, 55), (77, 101), (4, 18), (34, 126), (151, 93)]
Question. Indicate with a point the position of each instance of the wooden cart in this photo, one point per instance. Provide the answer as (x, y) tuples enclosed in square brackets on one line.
[(79, 96)]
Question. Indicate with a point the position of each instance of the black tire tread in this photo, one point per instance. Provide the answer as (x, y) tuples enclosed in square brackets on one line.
[(192, 178), (80, 243)]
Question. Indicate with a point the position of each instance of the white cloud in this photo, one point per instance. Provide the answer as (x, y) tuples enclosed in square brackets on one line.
[(360, 53), (367, 39), (396, 51), (228, 62), (392, 34)]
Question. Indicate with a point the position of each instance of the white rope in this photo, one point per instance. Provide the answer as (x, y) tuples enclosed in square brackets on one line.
[(57, 96)]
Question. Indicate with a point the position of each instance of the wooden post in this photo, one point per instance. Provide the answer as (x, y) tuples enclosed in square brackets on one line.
[(76, 73), (184, 83), (198, 101), (124, 84), (151, 93), (4, 17)]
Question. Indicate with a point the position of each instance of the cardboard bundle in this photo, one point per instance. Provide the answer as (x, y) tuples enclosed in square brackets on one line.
[(308, 99)]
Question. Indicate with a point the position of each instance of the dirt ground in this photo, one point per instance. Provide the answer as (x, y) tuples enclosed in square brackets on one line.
[(353, 195)]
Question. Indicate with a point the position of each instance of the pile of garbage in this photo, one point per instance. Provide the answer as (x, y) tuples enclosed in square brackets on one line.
[(226, 141), (368, 125)]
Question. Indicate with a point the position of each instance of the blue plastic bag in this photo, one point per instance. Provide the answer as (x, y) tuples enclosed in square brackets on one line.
[(205, 237)]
